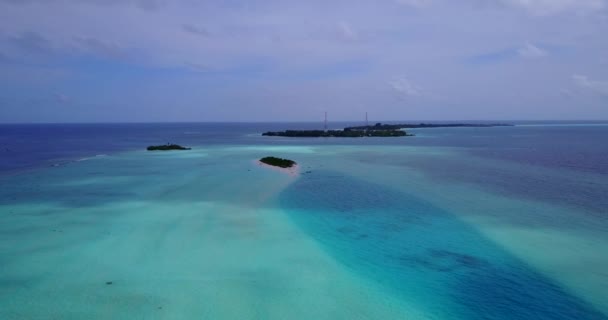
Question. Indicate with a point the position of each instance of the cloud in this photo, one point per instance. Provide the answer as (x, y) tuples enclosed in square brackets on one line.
[(566, 93), (404, 87), (30, 42), (329, 52), (599, 87), (534, 7), (347, 32), (61, 98), (531, 51), (198, 67), (100, 48), (189, 28), (414, 3), (33, 44), (549, 7), (149, 5)]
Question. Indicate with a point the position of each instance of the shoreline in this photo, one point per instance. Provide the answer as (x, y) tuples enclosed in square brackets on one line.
[(293, 171)]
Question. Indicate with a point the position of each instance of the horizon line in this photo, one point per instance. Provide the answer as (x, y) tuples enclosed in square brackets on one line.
[(309, 121)]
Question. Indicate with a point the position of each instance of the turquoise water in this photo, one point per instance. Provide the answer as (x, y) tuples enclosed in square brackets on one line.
[(494, 223)]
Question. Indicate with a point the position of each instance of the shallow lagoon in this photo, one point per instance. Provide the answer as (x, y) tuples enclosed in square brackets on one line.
[(443, 227)]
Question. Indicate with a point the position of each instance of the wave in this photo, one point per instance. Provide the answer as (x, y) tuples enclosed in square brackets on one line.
[(89, 158)]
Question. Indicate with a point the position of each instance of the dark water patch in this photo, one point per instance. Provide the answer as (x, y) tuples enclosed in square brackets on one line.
[(580, 148), (345, 230), (518, 294), (424, 254), (585, 193), (15, 282), (443, 261), (464, 260), (9, 284), (362, 236)]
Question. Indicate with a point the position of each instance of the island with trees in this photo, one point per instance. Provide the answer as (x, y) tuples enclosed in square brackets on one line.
[(167, 147), (381, 126), (377, 130), (278, 162), (337, 133), (286, 166)]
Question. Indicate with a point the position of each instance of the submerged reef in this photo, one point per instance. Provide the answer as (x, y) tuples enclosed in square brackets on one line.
[(167, 147), (278, 162)]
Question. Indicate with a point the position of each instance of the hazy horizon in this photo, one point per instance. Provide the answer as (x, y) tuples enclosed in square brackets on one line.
[(508, 121)]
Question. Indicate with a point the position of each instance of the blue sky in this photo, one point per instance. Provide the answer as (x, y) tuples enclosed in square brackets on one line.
[(232, 60)]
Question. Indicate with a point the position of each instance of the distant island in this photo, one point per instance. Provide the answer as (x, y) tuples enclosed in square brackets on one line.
[(380, 126), (167, 147), (337, 133), (377, 130), (278, 162)]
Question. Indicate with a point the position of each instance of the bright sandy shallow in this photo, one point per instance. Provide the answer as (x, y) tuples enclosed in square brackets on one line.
[(238, 257), (201, 235)]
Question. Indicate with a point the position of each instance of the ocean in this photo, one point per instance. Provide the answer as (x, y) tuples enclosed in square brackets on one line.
[(454, 223)]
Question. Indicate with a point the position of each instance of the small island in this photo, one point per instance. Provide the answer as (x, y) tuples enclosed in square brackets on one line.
[(278, 162), (167, 147)]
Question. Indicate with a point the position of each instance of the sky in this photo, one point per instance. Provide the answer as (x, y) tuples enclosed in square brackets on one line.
[(284, 60)]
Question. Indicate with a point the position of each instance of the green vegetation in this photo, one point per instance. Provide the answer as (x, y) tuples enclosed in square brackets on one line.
[(336, 133), (278, 162), (380, 126), (377, 130), (167, 147)]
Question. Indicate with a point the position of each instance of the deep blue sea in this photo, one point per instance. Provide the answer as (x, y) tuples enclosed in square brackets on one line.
[(571, 145), (454, 223)]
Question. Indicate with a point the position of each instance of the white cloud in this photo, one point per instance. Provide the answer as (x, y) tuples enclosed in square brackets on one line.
[(198, 67), (566, 93), (405, 87), (142, 4), (531, 51), (190, 28), (548, 7), (347, 31), (311, 48), (535, 7), (61, 98), (99, 47), (599, 87), (414, 3), (31, 43)]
